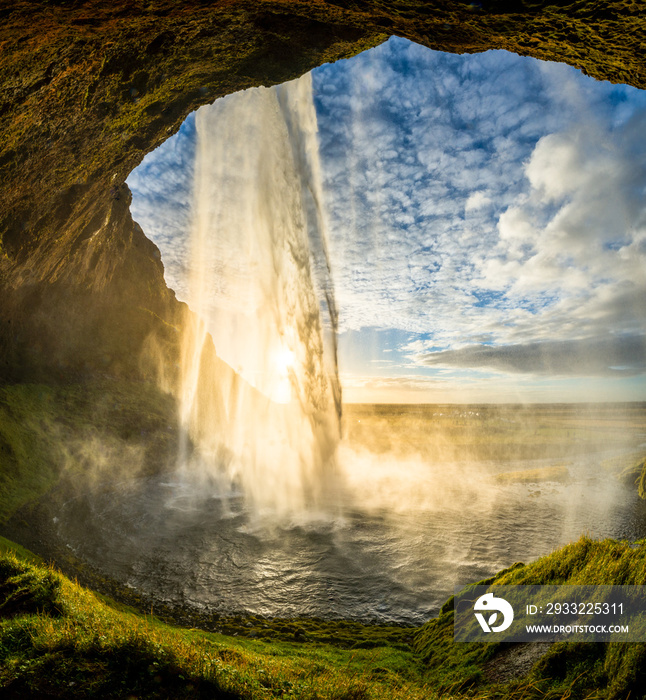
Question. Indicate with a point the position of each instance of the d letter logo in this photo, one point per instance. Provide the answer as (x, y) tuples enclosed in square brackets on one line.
[(489, 604)]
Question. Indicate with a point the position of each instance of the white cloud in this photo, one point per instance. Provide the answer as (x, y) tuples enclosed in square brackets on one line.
[(576, 236), (602, 356), (518, 220), (480, 198), (426, 146), (477, 200), (162, 199)]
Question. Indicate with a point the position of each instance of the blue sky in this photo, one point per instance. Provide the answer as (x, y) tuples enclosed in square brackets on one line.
[(486, 220)]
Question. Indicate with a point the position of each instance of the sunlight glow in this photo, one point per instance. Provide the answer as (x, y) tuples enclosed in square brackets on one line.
[(283, 364)]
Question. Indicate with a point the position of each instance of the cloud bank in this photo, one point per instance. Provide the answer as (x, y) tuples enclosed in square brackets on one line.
[(594, 357), (487, 201)]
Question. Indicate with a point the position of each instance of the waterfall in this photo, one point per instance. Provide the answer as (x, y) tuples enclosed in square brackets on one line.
[(261, 290)]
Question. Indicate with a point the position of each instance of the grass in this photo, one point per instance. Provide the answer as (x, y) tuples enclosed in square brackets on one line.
[(60, 640), (505, 432), (566, 670), (9, 547)]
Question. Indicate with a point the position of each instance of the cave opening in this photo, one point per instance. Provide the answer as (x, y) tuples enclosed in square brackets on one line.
[(483, 225)]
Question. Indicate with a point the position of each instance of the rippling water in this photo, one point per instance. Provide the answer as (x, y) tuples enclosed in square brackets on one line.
[(357, 558)]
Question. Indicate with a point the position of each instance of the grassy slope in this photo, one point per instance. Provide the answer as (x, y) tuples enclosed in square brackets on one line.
[(60, 640), (568, 669), (503, 433)]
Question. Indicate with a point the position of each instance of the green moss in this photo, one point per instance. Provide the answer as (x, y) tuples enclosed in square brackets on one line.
[(30, 451), (50, 432)]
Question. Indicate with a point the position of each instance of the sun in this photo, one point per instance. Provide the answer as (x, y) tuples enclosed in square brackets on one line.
[(284, 361), (282, 366)]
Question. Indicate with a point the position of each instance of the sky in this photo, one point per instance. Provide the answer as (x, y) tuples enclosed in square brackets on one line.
[(486, 219)]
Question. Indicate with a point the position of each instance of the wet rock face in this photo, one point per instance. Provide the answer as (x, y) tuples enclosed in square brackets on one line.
[(88, 88), (88, 292)]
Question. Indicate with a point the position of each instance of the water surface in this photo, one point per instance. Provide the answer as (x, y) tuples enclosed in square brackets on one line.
[(389, 544)]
